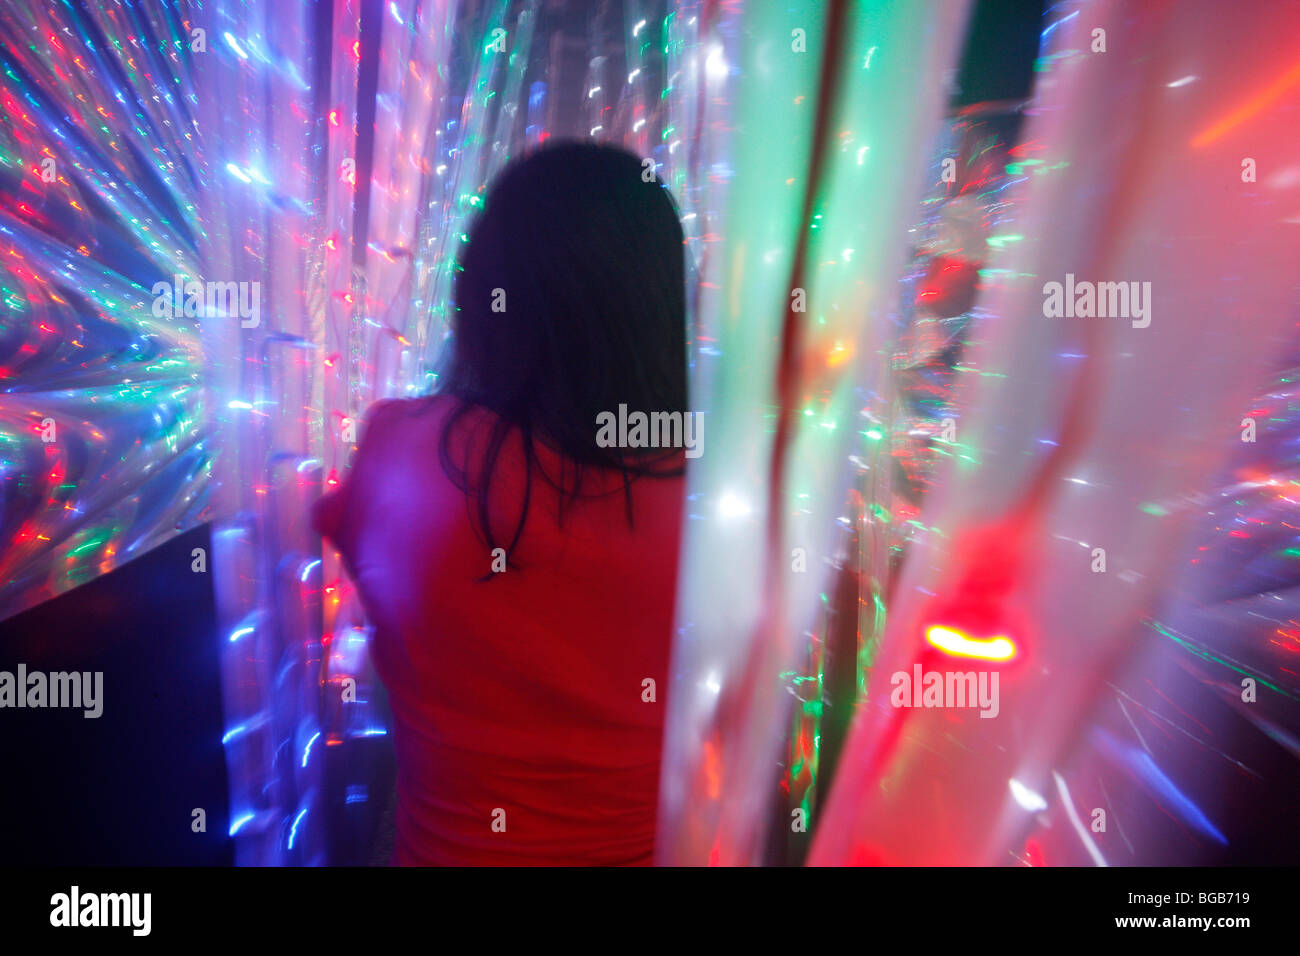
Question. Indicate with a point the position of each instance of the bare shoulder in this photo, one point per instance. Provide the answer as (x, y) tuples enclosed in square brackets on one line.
[(399, 414), (396, 428), (386, 411)]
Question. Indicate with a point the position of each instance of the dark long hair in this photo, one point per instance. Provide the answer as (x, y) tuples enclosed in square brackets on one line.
[(582, 258)]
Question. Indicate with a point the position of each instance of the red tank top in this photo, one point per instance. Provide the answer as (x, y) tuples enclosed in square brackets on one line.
[(523, 728)]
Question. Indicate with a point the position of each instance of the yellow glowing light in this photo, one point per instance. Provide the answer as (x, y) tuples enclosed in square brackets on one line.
[(951, 641)]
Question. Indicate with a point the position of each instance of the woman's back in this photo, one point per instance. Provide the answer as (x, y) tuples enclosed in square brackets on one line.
[(527, 731)]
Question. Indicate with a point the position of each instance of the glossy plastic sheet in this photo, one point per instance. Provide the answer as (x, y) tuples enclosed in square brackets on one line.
[(106, 432), (1086, 448), (822, 153)]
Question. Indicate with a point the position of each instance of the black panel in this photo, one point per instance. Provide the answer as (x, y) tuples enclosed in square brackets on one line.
[(120, 788)]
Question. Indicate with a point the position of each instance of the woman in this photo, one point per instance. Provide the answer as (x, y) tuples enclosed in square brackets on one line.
[(520, 577)]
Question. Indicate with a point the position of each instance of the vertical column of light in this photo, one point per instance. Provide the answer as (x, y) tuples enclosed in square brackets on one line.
[(807, 268), (599, 94), (257, 112), (294, 131), (695, 157), (342, 377), (1088, 434), (879, 142), (477, 144), (341, 386), (640, 113), (732, 383), (240, 204), (428, 90), (428, 311), (227, 79), (412, 40), (408, 103), (229, 124)]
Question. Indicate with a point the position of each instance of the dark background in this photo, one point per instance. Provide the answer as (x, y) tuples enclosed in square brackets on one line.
[(120, 788)]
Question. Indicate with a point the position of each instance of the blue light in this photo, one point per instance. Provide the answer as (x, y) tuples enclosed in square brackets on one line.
[(306, 751), (293, 830), (1047, 32), (234, 732)]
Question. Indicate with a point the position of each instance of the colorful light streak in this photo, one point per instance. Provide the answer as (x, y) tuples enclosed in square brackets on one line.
[(959, 644)]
